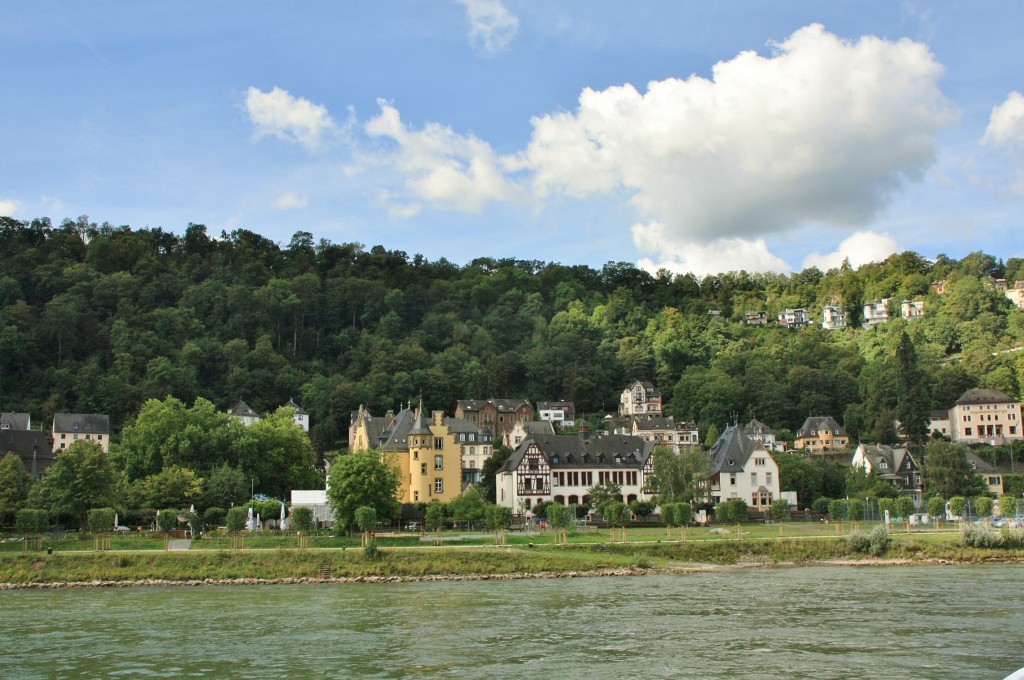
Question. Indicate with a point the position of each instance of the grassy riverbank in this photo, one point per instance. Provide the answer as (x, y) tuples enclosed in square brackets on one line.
[(280, 563)]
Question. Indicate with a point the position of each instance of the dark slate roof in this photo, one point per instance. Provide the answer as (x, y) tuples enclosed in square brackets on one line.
[(502, 405), (819, 423), (895, 459), (648, 388), (419, 425), (983, 396), (298, 409), (939, 414), (461, 425), (243, 410), (732, 450), (81, 422), (15, 421), (983, 467), (25, 443), (661, 423), (395, 434), (755, 427), (574, 451), (534, 427)]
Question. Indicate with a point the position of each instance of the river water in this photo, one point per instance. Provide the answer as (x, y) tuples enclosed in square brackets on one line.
[(807, 622)]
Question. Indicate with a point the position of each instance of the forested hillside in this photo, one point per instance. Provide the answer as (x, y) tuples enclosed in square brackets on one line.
[(98, 319)]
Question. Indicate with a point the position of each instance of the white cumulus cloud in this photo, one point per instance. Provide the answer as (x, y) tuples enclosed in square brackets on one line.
[(446, 169), (862, 247), (1006, 131), (290, 200), (823, 131), (491, 26), (293, 119), (8, 207), (724, 255)]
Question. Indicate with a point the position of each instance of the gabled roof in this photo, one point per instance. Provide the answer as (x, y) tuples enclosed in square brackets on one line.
[(983, 467), (242, 410), (501, 405), (395, 434), (419, 425), (81, 422), (461, 425), (28, 445), (566, 406), (756, 427), (298, 409), (654, 423), (574, 451), (532, 427), (15, 421), (819, 423), (647, 385), (983, 396), (732, 450)]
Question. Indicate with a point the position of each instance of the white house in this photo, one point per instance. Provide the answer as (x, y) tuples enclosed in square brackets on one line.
[(560, 413), (562, 468), (833, 318), (524, 429), (666, 432), (300, 417), (244, 413), (743, 468), (640, 400)]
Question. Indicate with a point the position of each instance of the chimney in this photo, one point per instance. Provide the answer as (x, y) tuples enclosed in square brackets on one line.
[(584, 431)]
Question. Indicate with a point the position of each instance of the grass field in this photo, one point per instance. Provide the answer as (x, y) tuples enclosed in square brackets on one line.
[(275, 556)]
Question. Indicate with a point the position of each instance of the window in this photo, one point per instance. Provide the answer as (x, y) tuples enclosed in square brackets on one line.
[(438, 443), (768, 479), (759, 461), (423, 468), (416, 495), (438, 485), (967, 431), (63, 436), (75, 436), (415, 455), (438, 462), (753, 479), (732, 479)]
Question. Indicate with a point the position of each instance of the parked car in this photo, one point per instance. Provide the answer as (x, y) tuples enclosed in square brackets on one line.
[(122, 528)]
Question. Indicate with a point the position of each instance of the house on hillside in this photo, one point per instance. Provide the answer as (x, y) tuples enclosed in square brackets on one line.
[(758, 431), (896, 465), (993, 475), (664, 431), (912, 309), (300, 417), (521, 431), (984, 416), (562, 468), (833, 318), (819, 433), (875, 313), (753, 318), (794, 318), (15, 421), (244, 413), (560, 413), (743, 468), (497, 415), (640, 400), (71, 427)]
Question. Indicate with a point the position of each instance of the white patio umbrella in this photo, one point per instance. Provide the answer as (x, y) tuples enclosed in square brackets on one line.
[(115, 520), (249, 523), (282, 522)]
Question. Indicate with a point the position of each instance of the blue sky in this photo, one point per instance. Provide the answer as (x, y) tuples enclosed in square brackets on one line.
[(693, 136)]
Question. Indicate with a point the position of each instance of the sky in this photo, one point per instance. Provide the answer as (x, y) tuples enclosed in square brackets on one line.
[(697, 137)]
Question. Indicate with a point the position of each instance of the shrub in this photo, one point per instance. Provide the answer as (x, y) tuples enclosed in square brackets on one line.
[(236, 519), (29, 521), (859, 543), (302, 519), (880, 540), (214, 516), (101, 519), (820, 505), (978, 536), (371, 551)]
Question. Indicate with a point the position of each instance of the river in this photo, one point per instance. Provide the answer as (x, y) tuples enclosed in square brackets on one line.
[(806, 622)]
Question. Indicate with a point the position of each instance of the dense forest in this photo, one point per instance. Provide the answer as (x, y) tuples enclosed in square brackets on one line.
[(98, 319)]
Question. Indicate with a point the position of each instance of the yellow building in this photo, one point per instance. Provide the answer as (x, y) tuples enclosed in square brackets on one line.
[(821, 433), (426, 453)]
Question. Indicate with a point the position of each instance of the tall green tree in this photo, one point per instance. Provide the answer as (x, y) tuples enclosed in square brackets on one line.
[(80, 479), (947, 472), (360, 479), (680, 476), (15, 484), (914, 401)]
